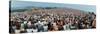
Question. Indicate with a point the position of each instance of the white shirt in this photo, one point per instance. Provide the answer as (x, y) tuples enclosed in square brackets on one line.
[(17, 31), (35, 30), (29, 30), (45, 27)]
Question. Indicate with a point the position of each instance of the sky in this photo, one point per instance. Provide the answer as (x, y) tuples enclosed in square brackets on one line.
[(86, 2)]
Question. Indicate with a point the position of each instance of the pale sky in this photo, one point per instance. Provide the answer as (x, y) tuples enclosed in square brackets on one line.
[(85, 2)]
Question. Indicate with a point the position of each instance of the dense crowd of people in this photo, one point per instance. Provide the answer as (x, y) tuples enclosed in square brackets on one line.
[(50, 22)]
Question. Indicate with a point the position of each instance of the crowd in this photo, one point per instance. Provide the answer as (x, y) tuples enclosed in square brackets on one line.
[(50, 22)]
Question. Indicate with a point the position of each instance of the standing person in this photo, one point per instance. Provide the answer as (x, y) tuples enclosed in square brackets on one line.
[(18, 25), (39, 26), (94, 24), (34, 28), (29, 27), (55, 27), (66, 26), (45, 26), (60, 24)]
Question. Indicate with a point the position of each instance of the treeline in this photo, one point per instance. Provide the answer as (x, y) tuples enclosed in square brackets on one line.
[(30, 8), (20, 10)]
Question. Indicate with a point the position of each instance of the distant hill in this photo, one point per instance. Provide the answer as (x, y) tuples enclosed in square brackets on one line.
[(26, 4)]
